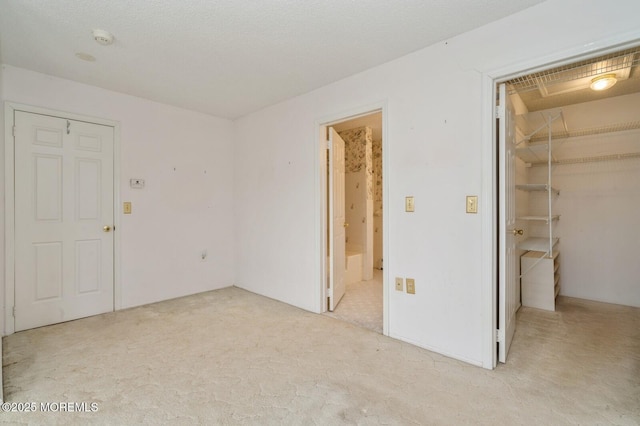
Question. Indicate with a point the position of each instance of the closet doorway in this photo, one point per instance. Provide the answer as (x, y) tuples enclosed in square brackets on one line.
[(570, 180), (354, 211), (61, 187)]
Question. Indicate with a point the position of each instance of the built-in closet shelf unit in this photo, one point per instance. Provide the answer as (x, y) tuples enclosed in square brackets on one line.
[(545, 219), (538, 244), (539, 265), (541, 285), (534, 153), (529, 187), (540, 153)]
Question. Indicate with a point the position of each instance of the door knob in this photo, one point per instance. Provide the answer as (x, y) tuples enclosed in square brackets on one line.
[(518, 231), (106, 228), (346, 225)]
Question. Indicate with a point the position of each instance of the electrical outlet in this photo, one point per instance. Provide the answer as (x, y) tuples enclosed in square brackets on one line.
[(203, 255), (399, 284), (126, 207), (411, 286)]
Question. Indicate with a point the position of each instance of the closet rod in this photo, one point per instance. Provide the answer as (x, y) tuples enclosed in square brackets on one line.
[(611, 157)]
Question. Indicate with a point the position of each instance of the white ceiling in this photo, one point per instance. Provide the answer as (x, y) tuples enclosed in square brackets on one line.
[(228, 57)]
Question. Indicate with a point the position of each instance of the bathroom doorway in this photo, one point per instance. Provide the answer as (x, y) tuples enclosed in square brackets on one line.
[(362, 301)]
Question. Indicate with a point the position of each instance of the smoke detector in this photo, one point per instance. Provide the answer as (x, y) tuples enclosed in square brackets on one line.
[(103, 37)]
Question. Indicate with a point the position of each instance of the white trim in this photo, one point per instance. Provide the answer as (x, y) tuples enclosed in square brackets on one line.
[(9, 213), (386, 252), (320, 197), (117, 202), (9, 208), (321, 201), (489, 214), (489, 223)]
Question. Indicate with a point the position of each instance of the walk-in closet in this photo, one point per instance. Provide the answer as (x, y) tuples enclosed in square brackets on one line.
[(577, 181)]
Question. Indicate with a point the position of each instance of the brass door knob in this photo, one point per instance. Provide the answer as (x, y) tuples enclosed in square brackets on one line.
[(106, 228), (518, 231), (346, 225)]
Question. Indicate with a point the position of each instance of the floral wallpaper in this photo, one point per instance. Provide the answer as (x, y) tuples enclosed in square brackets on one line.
[(377, 177), (359, 153)]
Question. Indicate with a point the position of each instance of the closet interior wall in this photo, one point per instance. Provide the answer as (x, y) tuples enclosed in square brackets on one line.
[(597, 170)]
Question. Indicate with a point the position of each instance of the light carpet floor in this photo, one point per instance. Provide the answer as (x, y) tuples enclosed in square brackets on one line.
[(232, 357)]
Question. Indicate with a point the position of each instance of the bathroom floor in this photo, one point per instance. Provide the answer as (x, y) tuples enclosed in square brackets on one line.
[(362, 303)]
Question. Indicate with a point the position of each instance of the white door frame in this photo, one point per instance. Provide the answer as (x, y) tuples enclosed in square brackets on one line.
[(321, 202), (489, 210), (9, 206)]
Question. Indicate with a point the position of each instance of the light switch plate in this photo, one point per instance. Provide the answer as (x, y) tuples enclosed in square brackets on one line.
[(411, 286), (399, 284), (126, 207), (409, 204), (472, 204)]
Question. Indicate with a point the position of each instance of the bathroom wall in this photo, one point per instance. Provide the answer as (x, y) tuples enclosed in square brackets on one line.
[(377, 204), (359, 194)]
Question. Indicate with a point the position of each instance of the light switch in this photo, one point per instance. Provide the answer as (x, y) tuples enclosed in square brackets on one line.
[(126, 207), (411, 286), (472, 204), (409, 204)]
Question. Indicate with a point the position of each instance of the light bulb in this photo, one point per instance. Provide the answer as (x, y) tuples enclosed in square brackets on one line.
[(603, 82)]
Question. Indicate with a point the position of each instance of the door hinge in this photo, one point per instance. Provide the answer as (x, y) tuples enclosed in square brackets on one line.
[(330, 292), (500, 112), (14, 312), (499, 336), (14, 131), (328, 144)]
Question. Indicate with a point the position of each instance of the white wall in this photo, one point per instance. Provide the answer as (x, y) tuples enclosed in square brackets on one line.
[(599, 226), (435, 145), (2, 308), (186, 206)]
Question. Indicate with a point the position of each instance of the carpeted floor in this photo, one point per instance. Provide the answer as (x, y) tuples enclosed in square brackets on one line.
[(232, 357)]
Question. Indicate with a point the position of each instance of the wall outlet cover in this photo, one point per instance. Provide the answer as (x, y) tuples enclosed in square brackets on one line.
[(399, 284)]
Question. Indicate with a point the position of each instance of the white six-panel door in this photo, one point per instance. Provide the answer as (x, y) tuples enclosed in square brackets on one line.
[(63, 219), (337, 239)]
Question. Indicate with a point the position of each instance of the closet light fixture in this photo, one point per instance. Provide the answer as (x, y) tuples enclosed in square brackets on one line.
[(603, 82)]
